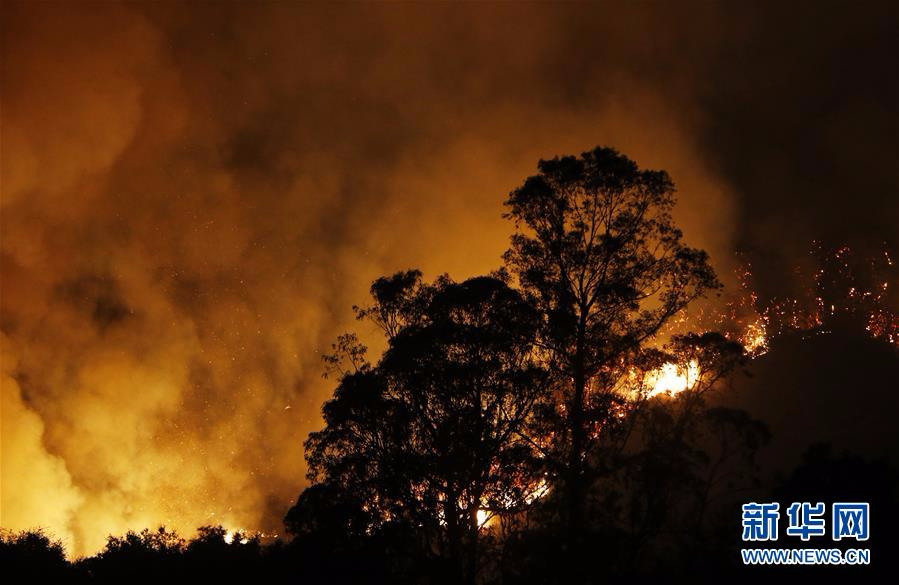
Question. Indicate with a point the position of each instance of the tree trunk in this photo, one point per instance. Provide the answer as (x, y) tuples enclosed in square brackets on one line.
[(577, 488), (454, 534), (471, 560), (576, 491)]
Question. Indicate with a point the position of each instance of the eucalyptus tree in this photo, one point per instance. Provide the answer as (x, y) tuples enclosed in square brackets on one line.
[(596, 250), (432, 436)]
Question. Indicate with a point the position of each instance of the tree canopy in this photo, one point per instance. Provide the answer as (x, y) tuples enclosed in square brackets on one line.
[(597, 252), (432, 435)]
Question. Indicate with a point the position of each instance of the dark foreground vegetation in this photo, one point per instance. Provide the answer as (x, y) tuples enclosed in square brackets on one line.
[(509, 432), (664, 552)]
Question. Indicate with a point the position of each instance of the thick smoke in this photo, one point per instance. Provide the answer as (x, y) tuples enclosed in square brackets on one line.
[(194, 195)]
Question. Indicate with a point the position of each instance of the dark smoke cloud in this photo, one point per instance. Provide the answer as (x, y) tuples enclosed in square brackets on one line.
[(802, 99), (193, 195)]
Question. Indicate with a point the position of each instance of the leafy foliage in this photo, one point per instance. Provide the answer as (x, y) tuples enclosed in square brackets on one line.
[(597, 252), (433, 433)]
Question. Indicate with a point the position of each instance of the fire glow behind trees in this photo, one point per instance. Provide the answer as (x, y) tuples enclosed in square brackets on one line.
[(192, 197)]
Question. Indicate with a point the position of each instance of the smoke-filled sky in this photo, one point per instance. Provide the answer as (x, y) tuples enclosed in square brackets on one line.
[(194, 195)]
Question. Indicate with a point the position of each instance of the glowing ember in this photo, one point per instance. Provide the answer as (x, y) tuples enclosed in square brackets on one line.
[(840, 287), (755, 339), (844, 286)]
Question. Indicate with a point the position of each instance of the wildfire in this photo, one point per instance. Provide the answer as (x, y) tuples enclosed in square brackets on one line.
[(483, 517), (538, 490), (671, 378), (755, 339), (835, 289), (841, 286), (239, 535)]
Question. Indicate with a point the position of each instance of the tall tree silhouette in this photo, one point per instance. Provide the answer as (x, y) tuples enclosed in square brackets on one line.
[(597, 251), (431, 436)]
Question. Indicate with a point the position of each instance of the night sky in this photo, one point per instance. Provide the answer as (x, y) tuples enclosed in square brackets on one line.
[(195, 194)]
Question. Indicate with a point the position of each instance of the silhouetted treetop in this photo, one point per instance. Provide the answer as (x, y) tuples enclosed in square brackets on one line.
[(431, 435), (598, 253)]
